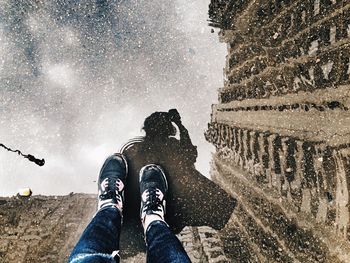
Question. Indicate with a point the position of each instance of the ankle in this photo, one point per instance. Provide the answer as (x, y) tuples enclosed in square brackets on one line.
[(117, 206), (150, 219)]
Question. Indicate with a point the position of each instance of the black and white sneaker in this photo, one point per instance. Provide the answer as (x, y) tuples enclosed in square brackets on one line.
[(153, 190), (111, 182)]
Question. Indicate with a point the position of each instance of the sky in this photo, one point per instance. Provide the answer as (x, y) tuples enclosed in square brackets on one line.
[(78, 78)]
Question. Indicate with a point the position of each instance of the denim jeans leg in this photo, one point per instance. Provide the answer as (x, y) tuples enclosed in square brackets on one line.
[(100, 240), (163, 246)]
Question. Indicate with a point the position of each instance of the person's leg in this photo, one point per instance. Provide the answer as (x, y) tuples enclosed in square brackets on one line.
[(100, 240), (162, 245)]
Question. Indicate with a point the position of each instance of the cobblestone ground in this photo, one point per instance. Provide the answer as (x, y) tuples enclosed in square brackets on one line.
[(42, 229), (45, 229)]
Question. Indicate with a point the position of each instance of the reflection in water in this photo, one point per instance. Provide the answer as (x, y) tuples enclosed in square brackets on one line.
[(193, 199), (30, 157)]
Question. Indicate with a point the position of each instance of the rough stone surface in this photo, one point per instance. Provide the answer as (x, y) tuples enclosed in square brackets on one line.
[(281, 128), (46, 228), (42, 229)]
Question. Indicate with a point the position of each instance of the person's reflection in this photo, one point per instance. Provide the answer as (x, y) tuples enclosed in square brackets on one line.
[(193, 199), (160, 131)]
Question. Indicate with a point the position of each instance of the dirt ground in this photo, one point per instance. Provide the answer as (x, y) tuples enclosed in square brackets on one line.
[(46, 228)]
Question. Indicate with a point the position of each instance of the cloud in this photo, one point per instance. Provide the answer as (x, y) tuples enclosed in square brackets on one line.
[(78, 78)]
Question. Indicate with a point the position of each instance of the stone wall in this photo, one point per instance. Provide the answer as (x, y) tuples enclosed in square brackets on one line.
[(282, 124)]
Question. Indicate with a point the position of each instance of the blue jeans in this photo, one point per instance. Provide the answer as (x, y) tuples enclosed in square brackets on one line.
[(99, 242)]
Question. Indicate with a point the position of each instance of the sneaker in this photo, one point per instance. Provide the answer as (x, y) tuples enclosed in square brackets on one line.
[(153, 189), (111, 182)]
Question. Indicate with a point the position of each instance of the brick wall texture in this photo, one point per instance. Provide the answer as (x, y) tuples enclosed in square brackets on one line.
[(282, 128)]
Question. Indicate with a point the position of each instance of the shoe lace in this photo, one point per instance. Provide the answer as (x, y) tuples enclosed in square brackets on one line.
[(111, 192), (153, 201), (109, 195)]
